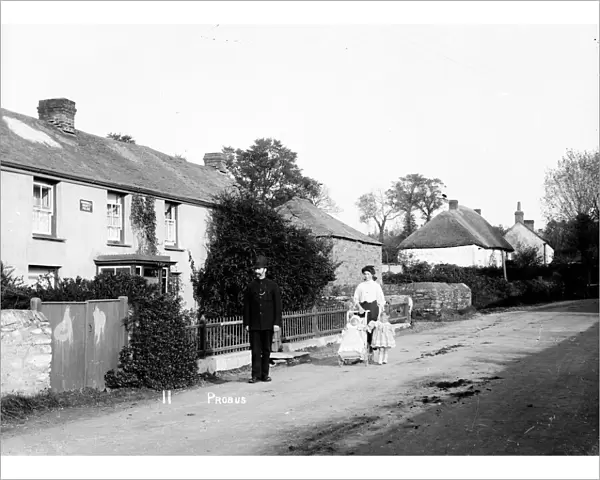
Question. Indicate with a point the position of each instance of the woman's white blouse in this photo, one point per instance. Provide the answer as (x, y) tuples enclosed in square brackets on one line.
[(369, 291)]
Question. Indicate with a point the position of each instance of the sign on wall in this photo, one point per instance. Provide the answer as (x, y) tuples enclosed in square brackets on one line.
[(86, 206)]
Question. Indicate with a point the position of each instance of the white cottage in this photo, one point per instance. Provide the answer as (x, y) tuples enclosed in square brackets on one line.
[(522, 234), (459, 236)]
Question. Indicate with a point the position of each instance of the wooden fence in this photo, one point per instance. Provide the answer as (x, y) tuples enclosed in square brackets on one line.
[(86, 340)]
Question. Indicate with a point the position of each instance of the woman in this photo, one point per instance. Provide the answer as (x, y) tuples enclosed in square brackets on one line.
[(369, 296)]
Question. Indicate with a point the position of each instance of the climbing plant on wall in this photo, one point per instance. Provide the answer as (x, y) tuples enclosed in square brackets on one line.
[(143, 222)]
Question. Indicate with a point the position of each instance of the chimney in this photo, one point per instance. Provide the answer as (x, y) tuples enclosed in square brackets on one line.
[(519, 214), (216, 161), (453, 204), (478, 211), (59, 112), (529, 224)]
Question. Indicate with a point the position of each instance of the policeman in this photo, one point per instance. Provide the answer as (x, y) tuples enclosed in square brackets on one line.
[(262, 317)]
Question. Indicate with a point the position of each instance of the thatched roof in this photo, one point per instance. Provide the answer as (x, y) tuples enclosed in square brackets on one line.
[(304, 214), (33, 145), (455, 228)]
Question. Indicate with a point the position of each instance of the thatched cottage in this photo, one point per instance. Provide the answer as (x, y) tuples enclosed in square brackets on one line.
[(350, 247), (459, 236)]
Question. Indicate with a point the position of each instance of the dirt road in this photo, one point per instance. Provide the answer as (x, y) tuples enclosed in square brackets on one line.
[(516, 383)]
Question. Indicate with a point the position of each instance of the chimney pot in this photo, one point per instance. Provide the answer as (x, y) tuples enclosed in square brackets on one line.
[(529, 223), (453, 204), (216, 161), (478, 210), (59, 112), (519, 215)]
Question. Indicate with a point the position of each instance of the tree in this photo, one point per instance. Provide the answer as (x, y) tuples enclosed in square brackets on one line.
[(377, 207), (572, 188), (121, 138), (430, 197), (268, 171), (324, 201), (415, 192), (240, 228), (410, 224)]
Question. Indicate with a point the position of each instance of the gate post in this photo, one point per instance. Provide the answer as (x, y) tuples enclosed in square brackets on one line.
[(124, 316), (35, 304), (315, 324)]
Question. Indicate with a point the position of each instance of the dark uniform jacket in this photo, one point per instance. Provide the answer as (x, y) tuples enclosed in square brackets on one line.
[(262, 305)]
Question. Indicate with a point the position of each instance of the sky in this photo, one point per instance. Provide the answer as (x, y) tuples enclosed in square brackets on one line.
[(484, 101)]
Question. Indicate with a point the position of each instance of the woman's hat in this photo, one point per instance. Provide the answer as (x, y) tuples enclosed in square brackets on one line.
[(369, 268), (261, 262)]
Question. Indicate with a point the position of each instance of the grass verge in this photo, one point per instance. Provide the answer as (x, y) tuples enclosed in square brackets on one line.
[(17, 408)]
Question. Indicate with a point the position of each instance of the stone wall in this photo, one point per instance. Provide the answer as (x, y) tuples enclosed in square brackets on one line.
[(430, 298), (353, 257), (26, 352)]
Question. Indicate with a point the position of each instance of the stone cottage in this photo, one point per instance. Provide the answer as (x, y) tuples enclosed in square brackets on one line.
[(350, 247)]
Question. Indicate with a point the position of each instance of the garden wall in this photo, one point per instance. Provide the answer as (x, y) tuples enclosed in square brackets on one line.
[(26, 352), (429, 298)]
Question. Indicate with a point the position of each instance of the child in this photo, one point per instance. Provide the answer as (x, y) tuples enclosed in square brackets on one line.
[(383, 337), (353, 339)]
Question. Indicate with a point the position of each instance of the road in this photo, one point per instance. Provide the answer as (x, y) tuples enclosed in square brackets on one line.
[(518, 383)]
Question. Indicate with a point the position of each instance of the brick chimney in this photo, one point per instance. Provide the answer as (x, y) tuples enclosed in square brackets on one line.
[(59, 112), (216, 161), (519, 214), (478, 210), (453, 204), (529, 223)]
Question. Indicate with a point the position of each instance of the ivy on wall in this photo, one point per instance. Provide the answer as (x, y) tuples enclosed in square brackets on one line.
[(143, 222)]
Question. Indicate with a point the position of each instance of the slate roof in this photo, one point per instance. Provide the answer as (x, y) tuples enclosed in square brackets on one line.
[(304, 214), (456, 228), (541, 237), (104, 162)]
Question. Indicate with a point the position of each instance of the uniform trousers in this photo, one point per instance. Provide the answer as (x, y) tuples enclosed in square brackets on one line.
[(260, 345)]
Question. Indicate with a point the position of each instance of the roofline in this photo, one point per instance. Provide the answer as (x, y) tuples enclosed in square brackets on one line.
[(532, 231), (17, 168), (374, 242), (454, 246)]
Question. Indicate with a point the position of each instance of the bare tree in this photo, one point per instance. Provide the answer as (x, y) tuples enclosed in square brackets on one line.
[(376, 206), (572, 188), (324, 201)]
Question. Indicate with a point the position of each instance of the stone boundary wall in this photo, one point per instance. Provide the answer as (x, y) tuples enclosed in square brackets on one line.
[(26, 352), (430, 298)]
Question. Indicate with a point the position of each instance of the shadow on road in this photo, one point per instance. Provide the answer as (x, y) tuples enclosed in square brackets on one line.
[(586, 306), (543, 404)]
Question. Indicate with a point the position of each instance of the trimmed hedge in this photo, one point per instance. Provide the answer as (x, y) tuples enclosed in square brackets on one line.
[(527, 285)]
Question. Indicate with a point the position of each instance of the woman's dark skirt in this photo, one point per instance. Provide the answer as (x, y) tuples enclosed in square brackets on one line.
[(373, 315)]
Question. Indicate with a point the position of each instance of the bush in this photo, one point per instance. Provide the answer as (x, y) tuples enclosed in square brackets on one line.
[(160, 354), (489, 289), (240, 229), (13, 291)]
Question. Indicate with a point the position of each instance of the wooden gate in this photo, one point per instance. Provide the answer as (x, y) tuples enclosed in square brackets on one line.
[(86, 340)]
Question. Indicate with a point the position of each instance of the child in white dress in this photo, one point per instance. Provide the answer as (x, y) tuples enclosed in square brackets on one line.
[(383, 337)]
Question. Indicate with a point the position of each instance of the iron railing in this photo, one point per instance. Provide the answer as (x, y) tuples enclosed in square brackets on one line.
[(219, 335)]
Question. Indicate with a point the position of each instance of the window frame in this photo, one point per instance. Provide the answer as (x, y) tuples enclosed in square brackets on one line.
[(119, 202), (174, 208), (50, 210), (50, 270)]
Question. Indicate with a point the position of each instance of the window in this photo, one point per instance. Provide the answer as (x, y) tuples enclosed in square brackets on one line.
[(38, 273), (170, 224), (43, 208), (114, 217), (115, 270)]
